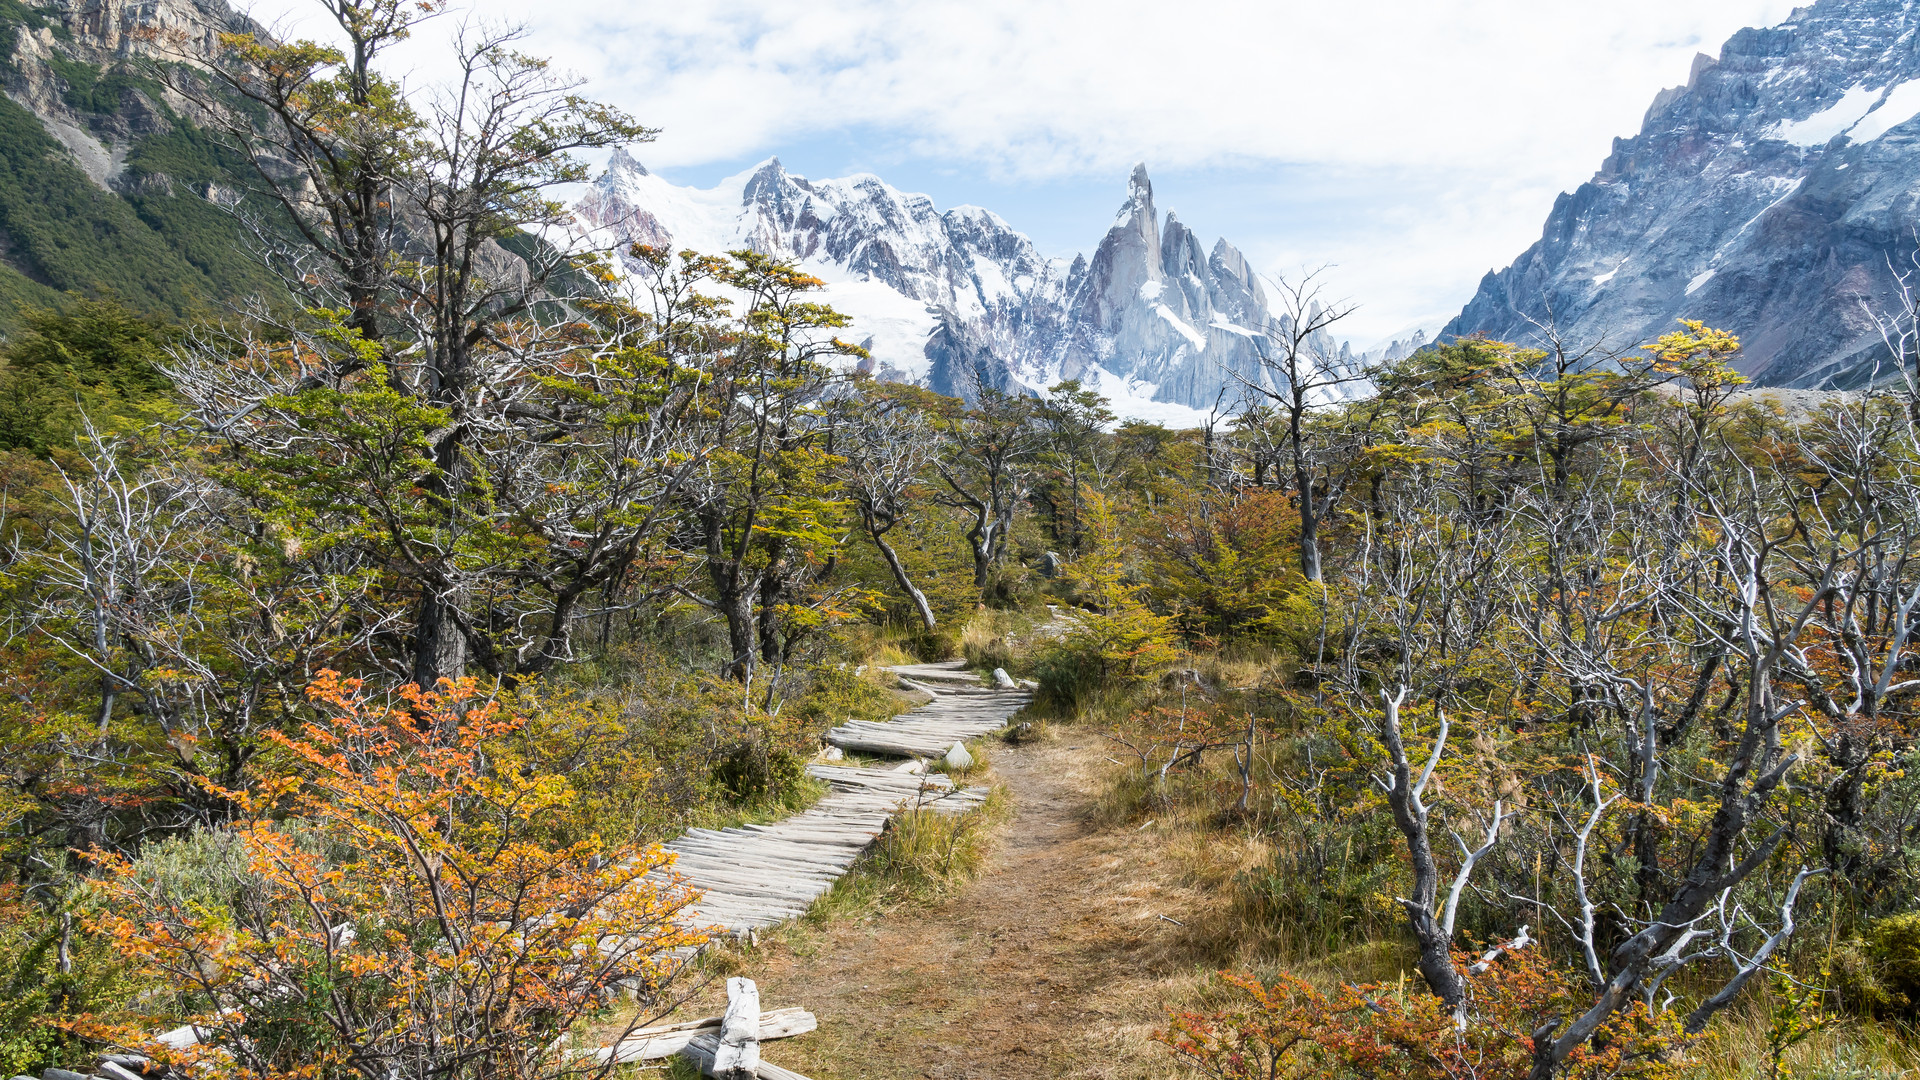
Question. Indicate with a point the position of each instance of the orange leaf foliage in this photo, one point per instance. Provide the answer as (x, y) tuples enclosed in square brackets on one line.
[(395, 915), (1288, 1028)]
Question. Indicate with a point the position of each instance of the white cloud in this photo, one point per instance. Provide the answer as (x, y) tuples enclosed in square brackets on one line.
[(1493, 105)]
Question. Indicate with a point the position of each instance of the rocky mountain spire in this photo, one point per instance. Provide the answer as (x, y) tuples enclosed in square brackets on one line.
[(954, 299)]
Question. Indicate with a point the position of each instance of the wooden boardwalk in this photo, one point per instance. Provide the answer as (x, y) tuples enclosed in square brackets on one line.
[(757, 876), (962, 708)]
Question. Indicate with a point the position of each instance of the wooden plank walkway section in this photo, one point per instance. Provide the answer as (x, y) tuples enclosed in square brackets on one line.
[(757, 876), (962, 708)]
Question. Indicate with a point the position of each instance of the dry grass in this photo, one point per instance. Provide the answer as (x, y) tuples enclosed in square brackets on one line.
[(1735, 1048), (888, 653), (987, 642), (878, 646), (1243, 667)]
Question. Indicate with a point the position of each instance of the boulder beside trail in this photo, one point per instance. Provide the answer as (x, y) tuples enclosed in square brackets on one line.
[(958, 758)]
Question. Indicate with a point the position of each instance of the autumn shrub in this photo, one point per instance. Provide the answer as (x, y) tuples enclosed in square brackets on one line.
[(392, 908), (1012, 586), (1225, 564), (1287, 1028)]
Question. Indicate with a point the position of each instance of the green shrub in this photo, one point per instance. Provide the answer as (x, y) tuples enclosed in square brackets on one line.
[(1104, 655), (1118, 647), (1891, 982), (93, 357), (751, 770), (36, 995), (834, 694)]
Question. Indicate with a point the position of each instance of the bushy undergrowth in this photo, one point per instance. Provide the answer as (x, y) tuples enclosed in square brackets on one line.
[(52, 973)]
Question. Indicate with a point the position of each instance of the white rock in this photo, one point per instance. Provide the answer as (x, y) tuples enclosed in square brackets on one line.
[(958, 758), (1003, 680)]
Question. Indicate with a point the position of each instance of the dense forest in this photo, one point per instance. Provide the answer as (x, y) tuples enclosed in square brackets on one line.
[(364, 637)]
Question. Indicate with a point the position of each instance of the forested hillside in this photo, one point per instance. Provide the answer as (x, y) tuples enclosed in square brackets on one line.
[(131, 201), (1537, 713)]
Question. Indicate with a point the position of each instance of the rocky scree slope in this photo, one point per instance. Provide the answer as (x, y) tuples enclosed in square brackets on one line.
[(958, 299), (1774, 195)]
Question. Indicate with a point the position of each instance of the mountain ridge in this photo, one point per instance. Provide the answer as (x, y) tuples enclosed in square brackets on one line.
[(1773, 194), (953, 299)]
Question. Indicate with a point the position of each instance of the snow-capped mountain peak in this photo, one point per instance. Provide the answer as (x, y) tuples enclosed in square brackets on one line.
[(1773, 195), (954, 299)]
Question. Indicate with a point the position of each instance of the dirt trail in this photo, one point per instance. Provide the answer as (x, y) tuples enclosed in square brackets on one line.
[(1054, 962)]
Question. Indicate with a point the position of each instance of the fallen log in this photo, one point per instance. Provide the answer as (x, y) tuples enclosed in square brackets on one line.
[(666, 1040), (703, 1047), (737, 1056)]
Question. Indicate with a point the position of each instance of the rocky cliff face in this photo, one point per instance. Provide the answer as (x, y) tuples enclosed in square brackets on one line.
[(1774, 195), (69, 64), (1154, 307), (954, 299)]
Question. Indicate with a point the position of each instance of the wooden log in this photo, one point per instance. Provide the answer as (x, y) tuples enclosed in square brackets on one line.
[(737, 1057), (700, 1051), (666, 1040)]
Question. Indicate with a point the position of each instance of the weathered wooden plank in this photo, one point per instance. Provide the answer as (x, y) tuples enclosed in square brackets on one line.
[(737, 1057), (700, 1051), (760, 875), (666, 1040)]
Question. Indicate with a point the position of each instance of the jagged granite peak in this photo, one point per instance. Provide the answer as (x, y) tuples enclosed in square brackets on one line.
[(955, 299), (1772, 195)]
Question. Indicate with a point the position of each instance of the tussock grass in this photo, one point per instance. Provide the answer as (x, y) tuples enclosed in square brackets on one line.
[(987, 641), (791, 799), (887, 654), (921, 857), (678, 1068), (1243, 667), (1735, 1048)]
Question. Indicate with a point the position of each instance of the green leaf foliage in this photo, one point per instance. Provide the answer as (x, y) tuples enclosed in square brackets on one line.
[(95, 358)]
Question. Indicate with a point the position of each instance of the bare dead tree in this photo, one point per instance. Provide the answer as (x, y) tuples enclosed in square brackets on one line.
[(988, 450), (890, 446), (1304, 370), (1759, 627), (1432, 928)]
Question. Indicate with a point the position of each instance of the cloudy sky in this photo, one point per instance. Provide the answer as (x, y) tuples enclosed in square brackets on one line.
[(1409, 145)]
